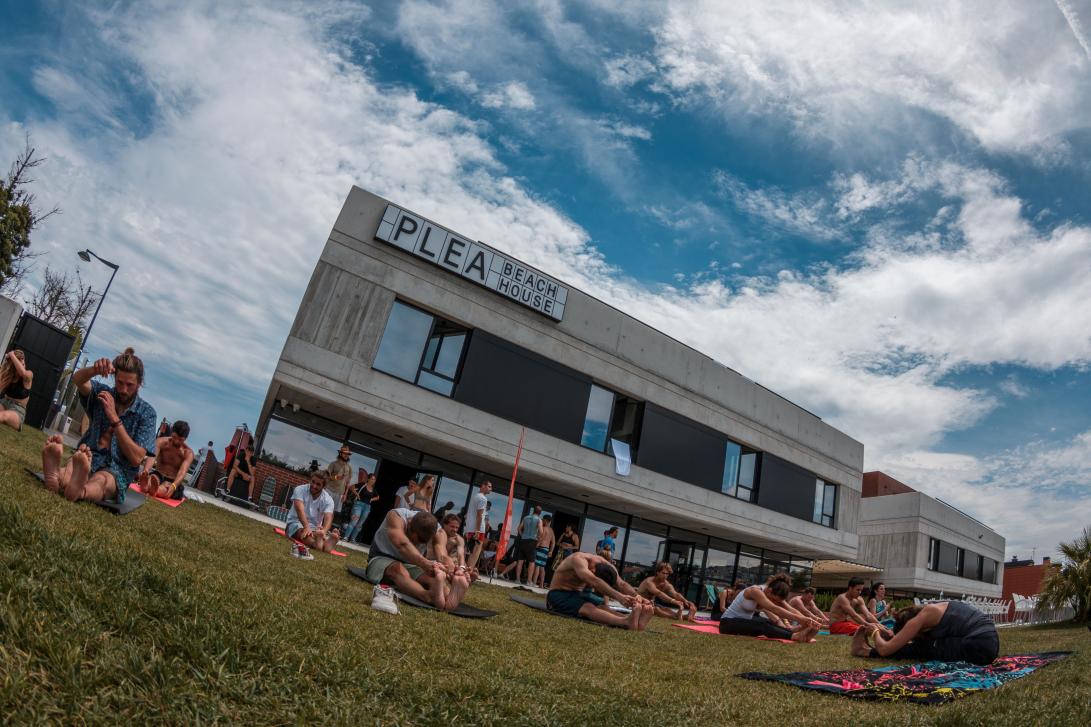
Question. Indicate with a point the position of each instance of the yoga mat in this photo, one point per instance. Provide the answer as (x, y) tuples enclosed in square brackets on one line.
[(132, 501), (540, 605), (464, 610), (933, 682), (280, 531), (714, 628), (157, 498)]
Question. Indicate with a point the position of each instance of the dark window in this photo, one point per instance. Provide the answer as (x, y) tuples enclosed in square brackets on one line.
[(503, 379), (749, 566), (960, 561), (988, 570), (785, 487), (677, 447), (933, 554), (825, 503), (421, 348)]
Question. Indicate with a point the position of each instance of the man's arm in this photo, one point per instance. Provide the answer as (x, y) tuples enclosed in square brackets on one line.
[(301, 515), (460, 550), (183, 469), (439, 549), (860, 606), (133, 451), (82, 377), (844, 607), (588, 576), (395, 530)]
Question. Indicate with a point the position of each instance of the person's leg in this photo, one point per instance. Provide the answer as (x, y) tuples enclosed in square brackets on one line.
[(644, 614), (753, 627), (54, 477), (329, 542), (532, 573), (354, 522), (591, 612), (96, 488), (399, 577), (11, 418), (479, 545)]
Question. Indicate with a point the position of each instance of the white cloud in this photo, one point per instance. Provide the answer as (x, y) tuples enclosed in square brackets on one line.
[(219, 209), (1013, 387), (1011, 74), (804, 214), (627, 70), (512, 95)]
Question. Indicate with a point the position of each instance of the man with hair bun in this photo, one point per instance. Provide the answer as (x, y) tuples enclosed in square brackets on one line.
[(163, 474), (120, 437)]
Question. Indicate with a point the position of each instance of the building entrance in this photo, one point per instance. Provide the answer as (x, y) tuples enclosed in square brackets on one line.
[(390, 476), (679, 553)]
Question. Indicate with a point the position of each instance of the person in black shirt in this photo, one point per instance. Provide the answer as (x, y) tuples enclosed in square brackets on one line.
[(944, 631), (243, 466)]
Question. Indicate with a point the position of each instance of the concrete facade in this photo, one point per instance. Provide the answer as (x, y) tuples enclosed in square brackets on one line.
[(894, 535), (325, 368)]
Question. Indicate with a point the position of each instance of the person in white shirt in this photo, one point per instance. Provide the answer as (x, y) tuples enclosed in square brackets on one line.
[(406, 495), (310, 517), (477, 522)]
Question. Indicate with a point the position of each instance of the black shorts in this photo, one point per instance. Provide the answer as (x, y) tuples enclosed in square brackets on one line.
[(753, 627), (525, 549)]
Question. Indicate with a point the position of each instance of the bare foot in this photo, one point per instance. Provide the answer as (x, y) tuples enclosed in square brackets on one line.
[(438, 591), (81, 468), (646, 613), (632, 621), (51, 462), (459, 585), (859, 643)]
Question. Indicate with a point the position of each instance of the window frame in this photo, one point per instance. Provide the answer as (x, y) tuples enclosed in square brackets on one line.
[(617, 400), (421, 367)]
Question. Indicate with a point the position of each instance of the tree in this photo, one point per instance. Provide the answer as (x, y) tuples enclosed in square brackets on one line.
[(63, 300), (19, 216), (1070, 584)]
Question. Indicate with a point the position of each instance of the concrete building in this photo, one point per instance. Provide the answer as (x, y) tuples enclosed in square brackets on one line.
[(429, 352), (925, 546)]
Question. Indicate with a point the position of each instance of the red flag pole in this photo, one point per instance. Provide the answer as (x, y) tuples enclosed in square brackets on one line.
[(505, 531)]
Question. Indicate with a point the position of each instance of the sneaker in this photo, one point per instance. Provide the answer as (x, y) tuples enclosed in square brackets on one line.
[(385, 599), (299, 550)]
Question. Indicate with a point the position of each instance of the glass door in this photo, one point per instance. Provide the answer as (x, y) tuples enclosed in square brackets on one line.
[(679, 553)]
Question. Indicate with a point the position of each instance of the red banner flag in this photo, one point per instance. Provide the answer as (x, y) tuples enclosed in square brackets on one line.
[(505, 530)]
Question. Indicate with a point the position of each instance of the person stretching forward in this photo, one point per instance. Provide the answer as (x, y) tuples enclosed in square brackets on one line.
[(741, 617), (668, 602), (397, 558), (578, 587), (849, 612), (121, 434), (171, 463)]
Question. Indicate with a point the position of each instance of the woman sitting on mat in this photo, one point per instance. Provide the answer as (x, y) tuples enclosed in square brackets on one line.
[(15, 382), (944, 631), (876, 604), (741, 617)]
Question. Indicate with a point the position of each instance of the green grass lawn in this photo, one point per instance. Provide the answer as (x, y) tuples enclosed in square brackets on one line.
[(196, 615)]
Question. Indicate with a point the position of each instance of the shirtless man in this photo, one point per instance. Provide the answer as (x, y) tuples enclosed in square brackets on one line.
[(543, 551), (804, 603), (668, 602), (163, 474), (849, 612), (120, 437), (397, 558), (580, 583)]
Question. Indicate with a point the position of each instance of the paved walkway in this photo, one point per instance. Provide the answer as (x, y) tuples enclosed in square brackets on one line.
[(207, 499)]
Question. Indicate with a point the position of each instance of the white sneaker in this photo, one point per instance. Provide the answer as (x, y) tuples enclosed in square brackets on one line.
[(299, 550), (385, 599)]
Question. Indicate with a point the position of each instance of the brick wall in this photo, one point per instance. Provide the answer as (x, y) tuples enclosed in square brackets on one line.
[(286, 480), (877, 483)]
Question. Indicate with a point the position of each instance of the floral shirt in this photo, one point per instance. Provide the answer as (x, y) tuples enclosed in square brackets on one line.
[(139, 422)]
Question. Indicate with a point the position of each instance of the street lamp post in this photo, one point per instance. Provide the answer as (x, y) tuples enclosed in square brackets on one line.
[(86, 256)]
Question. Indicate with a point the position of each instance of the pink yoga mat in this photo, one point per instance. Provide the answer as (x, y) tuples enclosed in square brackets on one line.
[(165, 501), (280, 531), (712, 628)]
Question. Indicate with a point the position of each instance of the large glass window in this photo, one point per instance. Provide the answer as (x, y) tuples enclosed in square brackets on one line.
[(749, 568), (740, 465), (933, 554), (825, 503), (596, 425), (642, 549), (988, 570), (595, 525), (773, 563), (498, 504), (451, 490), (421, 348), (296, 449)]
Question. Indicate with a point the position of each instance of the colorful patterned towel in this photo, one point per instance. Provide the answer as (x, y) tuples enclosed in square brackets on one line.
[(933, 682)]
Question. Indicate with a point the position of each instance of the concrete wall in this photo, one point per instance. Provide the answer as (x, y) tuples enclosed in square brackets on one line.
[(9, 318), (326, 361), (894, 535)]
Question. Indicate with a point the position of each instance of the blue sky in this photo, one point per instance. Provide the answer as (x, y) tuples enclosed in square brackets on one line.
[(878, 210)]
